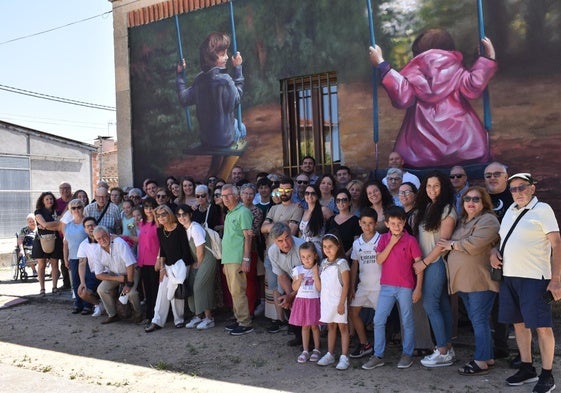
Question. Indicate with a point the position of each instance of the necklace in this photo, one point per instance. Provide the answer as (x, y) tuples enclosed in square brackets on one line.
[(167, 234)]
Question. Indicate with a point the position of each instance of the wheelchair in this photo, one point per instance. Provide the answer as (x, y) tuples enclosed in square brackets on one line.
[(20, 263)]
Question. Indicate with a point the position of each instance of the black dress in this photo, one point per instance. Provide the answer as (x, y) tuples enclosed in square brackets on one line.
[(37, 251)]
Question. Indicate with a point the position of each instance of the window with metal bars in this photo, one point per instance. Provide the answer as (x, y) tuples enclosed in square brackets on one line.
[(310, 121)]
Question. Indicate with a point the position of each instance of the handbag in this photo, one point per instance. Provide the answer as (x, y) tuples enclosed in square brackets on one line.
[(497, 273), (47, 242), (180, 292), (215, 242)]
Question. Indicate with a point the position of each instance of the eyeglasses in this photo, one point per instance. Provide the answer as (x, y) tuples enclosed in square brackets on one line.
[(457, 176), (475, 199), (217, 195), (520, 188), (284, 190), (302, 181), (227, 195), (341, 200), (201, 196), (394, 178), (310, 193), (77, 207), (212, 180), (161, 196), (405, 193), (160, 215), (489, 175), (182, 215)]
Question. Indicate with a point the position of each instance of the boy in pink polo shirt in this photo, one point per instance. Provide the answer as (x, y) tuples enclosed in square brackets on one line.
[(397, 251)]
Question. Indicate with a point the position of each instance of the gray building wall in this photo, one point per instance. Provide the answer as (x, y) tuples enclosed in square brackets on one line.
[(32, 162)]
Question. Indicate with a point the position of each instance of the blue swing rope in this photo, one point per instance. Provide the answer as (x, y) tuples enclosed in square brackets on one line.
[(486, 103), (180, 46), (374, 83), (241, 126)]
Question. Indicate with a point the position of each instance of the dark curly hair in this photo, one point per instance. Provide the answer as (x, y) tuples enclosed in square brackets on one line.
[(387, 199), (429, 212)]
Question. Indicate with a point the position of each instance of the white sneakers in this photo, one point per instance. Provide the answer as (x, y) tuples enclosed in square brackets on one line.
[(436, 359), (205, 324), (328, 359), (98, 310), (193, 322)]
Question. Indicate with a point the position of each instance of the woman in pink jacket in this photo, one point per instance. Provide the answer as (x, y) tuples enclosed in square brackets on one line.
[(440, 127)]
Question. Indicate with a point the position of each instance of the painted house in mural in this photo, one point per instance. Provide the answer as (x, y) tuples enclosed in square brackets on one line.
[(308, 86)]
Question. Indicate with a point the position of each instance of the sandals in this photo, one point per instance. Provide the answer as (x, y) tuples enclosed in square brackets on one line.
[(316, 355), (56, 291), (42, 293), (304, 357), (471, 369)]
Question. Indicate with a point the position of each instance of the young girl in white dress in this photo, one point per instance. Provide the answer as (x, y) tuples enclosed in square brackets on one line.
[(335, 278), (305, 308)]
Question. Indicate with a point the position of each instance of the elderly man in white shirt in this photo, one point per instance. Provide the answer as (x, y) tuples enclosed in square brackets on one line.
[(114, 265)]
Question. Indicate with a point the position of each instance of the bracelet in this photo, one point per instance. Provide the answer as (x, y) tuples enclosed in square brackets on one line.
[(130, 284), (424, 263), (245, 259)]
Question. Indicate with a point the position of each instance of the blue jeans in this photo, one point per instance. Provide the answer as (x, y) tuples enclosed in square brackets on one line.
[(478, 306), (437, 302), (91, 283), (388, 296)]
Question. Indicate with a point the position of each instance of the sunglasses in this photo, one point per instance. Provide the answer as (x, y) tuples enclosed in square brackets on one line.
[(217, 195), (161, 196), (489, 175), (521, 188), (284, 190), (76, 207), (475, 199), (182, 215), (310, 193), (201, 196), (302, 181), (457, 176), (405, 193), (160, 215), (341, 200)]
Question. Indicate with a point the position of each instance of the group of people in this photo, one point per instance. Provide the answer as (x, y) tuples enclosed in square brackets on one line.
[(320, 250)]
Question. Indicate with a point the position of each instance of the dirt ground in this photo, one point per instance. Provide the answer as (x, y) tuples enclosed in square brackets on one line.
[(41, 335)]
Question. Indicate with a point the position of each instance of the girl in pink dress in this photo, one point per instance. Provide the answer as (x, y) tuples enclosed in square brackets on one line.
[(305, 308)]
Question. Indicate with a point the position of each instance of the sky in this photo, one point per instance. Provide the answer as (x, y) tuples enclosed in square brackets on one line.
[(74, 62)]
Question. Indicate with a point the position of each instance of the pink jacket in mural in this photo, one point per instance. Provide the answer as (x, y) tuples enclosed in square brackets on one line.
[(440, 127)]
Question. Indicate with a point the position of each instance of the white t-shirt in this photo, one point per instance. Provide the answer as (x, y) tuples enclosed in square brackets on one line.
[(528, 251), (307, 289), (369, 271), (88, 250), (197, 232)]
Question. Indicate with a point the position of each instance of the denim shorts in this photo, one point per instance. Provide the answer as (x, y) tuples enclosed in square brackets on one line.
[(520, 300)]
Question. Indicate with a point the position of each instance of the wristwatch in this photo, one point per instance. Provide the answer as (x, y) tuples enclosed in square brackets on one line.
[(452, 245)]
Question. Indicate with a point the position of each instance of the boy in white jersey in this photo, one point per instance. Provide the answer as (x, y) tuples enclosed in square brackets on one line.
[(366, 272)]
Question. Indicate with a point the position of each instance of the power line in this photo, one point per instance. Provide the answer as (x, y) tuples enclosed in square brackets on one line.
[(66, 25), (55, 98)]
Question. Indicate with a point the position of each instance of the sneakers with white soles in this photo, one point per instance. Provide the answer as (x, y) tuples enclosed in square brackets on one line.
[(326, 360), (373, 362), (436, 359), (405, 362), (206, 323), (98, 310), (344, 363), (193, 322)]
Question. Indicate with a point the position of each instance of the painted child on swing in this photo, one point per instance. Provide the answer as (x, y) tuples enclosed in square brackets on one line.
[(440, 127), (215, 94)]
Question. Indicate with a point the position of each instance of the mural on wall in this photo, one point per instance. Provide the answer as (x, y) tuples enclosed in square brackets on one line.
[(279, 40)]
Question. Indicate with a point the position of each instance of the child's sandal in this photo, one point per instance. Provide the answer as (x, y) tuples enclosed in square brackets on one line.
[(316, 355), (304, 356)]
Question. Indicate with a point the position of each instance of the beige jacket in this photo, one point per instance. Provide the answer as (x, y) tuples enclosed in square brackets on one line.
[(468, 263)]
